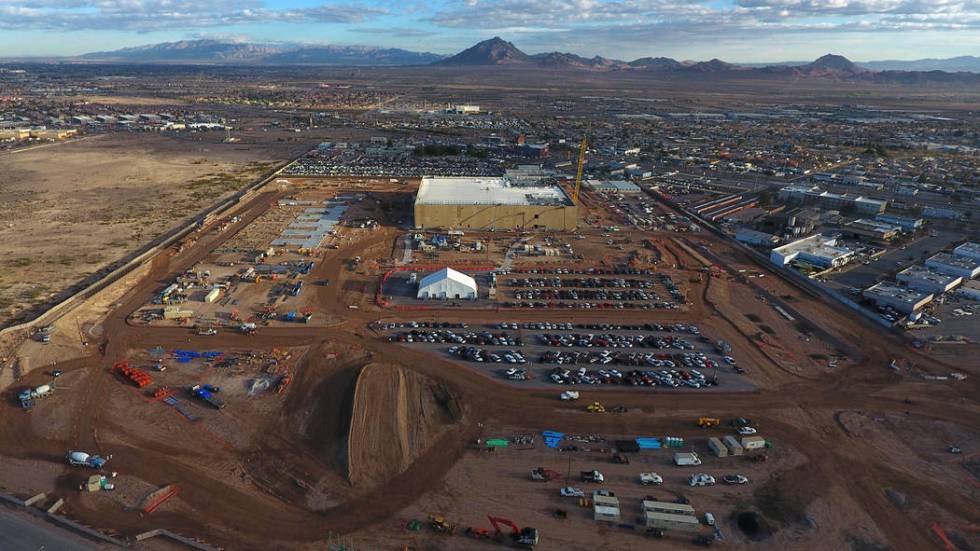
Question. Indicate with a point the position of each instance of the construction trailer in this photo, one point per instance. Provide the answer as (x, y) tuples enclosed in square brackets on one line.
[(734, 447), (668, 521), (753, 442), (606, 508), (717, 447), (668, 507)]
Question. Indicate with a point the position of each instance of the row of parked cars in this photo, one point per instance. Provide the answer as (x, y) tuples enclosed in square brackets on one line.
[(580, 283), (613, 340), (587, 271), (671, 378), (589, 305), (446, 336), (481, 355), (588, 294)]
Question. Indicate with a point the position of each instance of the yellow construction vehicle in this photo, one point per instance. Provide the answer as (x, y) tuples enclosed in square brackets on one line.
[(440, 524), (708, 422), (596, 407)]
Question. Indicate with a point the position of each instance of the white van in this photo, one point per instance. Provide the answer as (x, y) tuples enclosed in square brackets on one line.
[(709, 519)]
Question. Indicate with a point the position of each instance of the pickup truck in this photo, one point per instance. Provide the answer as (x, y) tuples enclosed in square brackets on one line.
[(592, 476), (651, 478)]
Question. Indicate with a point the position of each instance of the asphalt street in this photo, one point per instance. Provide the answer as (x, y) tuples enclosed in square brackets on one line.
[(22, 532)]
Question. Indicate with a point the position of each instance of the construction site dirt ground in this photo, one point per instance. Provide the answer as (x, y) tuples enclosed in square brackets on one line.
[(59, 227), (370, 434)]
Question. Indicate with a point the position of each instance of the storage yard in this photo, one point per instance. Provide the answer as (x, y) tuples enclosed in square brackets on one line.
[(649, 389)]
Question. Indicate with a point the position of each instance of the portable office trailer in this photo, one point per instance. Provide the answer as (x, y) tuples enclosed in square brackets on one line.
[(733, 446), (667, 521), (717, 447), (606, 509), (753, 442), (668, 507)]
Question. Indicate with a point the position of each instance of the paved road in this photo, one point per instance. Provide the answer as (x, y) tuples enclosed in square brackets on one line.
[(22, 532)]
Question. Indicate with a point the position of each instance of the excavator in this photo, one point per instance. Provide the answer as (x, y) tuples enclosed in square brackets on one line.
[(526, 537)]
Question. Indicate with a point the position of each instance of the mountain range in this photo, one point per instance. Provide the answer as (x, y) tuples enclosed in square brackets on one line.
[(499, 52), (231, 52)]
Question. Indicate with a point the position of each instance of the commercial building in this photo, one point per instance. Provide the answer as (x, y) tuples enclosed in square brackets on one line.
[(447, 283), (872, 229), (814, 195), (941, 213), (970, 290), (612, 186), (968, 250), (902, 299), (923, 279), (906, 223), (951, 264), (756, 238), (492, 203), (817, 250)]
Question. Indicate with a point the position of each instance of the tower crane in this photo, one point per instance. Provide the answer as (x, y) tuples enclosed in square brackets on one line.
[(581, 164)]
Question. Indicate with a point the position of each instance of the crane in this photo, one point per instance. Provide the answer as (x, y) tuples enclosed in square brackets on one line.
[(581, 164)]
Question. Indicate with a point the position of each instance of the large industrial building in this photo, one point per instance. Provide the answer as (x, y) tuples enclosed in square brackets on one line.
[(816, 250), (921, 278), (447, 283), (962, 266), (901, 299), (490, 204), (968, 250)]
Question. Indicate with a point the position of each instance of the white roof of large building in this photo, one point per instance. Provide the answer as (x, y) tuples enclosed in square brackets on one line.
[(465, 190), (448, 273), (816, 245), (968, 249), (922, 273)]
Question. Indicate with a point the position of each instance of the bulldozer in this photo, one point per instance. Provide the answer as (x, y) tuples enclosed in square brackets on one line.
[(708, 422), (441, 525), (596, 407)]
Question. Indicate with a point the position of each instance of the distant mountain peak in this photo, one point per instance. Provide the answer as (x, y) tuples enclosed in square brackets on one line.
[(833, 63), (494, 51)]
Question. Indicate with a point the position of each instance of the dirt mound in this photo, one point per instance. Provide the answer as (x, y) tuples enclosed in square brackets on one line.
[(396, 414)]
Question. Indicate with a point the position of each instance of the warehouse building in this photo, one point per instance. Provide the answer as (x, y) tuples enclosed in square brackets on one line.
[(612, 186), (816, 250), (962, 266), (756, 238), (872, 230), (921, 278), (492, 203), (970, 290), (907, 224), (968, 250), (447, 283), (901, 299)]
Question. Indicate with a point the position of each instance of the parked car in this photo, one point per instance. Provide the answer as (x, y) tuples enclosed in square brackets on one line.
[(569, 491), (735, 479)]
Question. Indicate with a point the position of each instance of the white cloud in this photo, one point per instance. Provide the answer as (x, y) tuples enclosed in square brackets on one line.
[(153, 15)]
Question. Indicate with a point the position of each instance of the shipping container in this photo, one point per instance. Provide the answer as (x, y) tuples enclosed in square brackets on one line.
[(717, 447), (733, 446), (753, 442)]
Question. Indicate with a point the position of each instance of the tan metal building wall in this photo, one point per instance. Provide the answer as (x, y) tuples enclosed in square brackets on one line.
[(503, 217)]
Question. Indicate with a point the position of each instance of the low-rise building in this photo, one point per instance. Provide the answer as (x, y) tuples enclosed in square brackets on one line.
[(922, 278), (816, 250), (872, 229), (902, 299), (756, 238), (613, 186), (907, 224), (970, 290), (606, 508), (969, 250), (951, 264)]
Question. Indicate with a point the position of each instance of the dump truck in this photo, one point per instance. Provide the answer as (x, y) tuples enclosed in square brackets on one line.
[(205, 393), (28, 395), (82, 459), (592, 476), (596, 407)]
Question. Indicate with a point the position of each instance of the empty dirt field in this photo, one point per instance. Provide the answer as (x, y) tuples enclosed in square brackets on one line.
[(73, 209)]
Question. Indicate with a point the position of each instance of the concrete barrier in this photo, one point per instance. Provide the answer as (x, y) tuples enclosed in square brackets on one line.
[(57, 505), (34, 499), (190, 542)]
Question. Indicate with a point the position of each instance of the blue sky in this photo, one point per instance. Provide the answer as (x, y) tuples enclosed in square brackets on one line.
[(734, 30)]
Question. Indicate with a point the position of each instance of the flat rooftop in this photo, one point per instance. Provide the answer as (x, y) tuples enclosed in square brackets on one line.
[(954, 261), (815, 245), (968, 249), (453, 190), (921, 273), (896, 293)]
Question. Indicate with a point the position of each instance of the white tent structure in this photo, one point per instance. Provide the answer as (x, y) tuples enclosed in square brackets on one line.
[(447, 283)]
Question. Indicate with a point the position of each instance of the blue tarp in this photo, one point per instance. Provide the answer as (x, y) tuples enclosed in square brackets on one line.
[(648, 443), (212, 354), (187, 353), (184, 360), (552, 439)]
